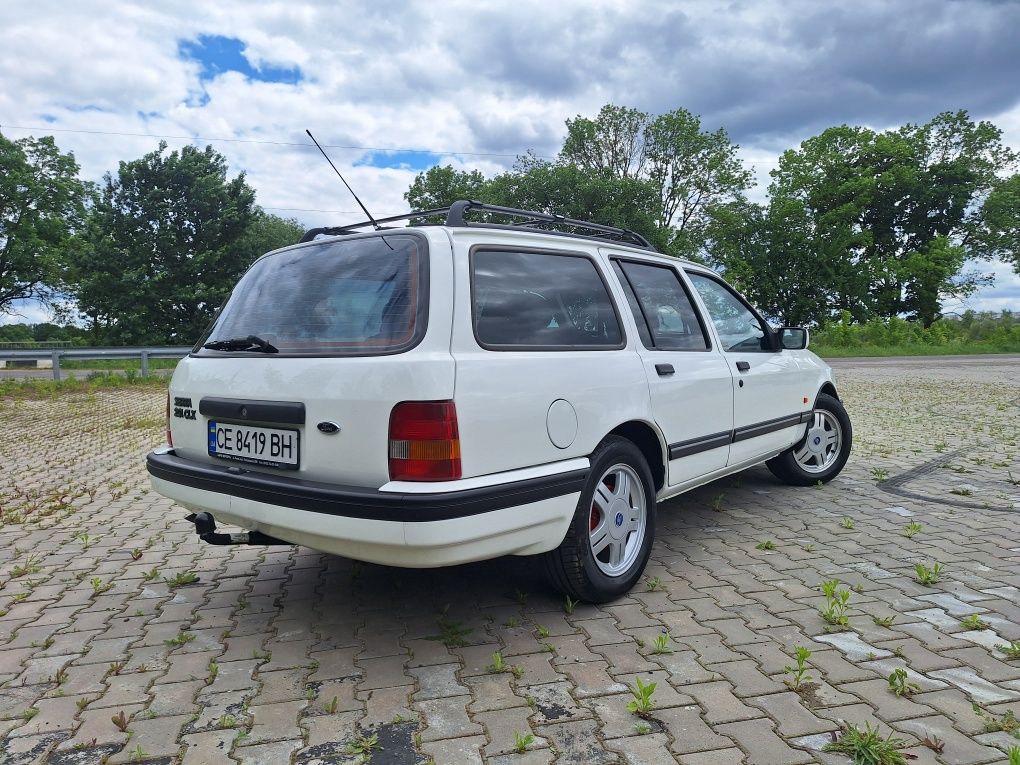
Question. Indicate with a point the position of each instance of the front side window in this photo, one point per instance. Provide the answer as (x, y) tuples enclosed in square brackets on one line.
[(360, 296), (663, 309), (739, 329), (541, 300)]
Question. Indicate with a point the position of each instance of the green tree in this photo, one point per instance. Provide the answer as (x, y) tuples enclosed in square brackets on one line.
[(266, 233), (611, 144), (41, 208), (893, 216), (691, 169), (441, 186), (999, 235), (169, 236)]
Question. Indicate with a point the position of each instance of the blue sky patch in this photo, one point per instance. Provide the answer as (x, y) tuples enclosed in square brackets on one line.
[(413, 160), (218, 54)]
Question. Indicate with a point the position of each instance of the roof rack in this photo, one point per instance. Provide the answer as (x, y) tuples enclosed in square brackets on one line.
[(455, 218)]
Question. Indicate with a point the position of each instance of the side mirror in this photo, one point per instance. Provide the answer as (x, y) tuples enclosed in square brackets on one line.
[(793, 338)]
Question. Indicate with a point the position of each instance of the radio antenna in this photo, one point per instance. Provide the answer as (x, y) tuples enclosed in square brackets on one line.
[(367, 213)]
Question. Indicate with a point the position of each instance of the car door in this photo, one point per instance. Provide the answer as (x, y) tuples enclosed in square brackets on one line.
[(689, 381), (771, 392)]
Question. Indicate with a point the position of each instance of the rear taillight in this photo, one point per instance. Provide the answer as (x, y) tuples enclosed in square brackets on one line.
[(169, 438), (424, 441)]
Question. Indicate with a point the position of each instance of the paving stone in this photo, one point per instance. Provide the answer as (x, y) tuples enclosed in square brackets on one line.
[(208, 748), (266, 754), (502, 726), (339, 695), (175, 698), (493, 692), (793, 717), (959, 749), (590, 678), (650, 749), (689, 731), (746, 679), (720, 704), (464, 750), (329, 731), (718, 757), (761, 742), (976, 687), (576, 743), (156, 737), (447, 718), (382, 705), (434, 682), (272, 722)]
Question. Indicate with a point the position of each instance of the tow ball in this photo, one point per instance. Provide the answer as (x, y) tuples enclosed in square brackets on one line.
[(205, 527)]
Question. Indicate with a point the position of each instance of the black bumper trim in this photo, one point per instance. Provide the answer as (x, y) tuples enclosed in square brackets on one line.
[(355, 502)]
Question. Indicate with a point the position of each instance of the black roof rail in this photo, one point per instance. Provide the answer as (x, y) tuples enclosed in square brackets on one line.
[(455, 218)]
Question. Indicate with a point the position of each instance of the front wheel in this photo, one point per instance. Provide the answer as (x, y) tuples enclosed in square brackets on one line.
[(610, 537), (821, 454)]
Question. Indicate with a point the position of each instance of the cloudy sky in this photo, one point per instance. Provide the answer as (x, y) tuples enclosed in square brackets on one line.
[(395, 87)]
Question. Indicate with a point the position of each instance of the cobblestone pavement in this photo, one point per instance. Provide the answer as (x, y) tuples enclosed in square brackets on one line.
[(278, 654)]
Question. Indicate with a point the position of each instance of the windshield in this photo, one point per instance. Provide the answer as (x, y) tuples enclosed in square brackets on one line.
[(351, 297)]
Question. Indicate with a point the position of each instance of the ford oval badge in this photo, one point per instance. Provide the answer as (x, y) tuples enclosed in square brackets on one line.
[(329, 428)]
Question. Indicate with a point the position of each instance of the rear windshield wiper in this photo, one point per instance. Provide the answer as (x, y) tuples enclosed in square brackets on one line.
[(250, 343)]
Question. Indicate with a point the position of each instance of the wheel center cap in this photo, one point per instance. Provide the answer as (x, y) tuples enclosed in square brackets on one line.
[(816, 441), (618, 512)]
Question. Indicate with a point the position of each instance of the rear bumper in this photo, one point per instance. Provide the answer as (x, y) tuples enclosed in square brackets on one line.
[(416, 529)]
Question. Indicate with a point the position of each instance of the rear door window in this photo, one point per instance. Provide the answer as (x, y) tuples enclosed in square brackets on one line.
[(662, 308), (359, 296), (541, 301)]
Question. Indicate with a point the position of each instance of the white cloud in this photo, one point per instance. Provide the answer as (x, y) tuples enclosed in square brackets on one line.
[(462, 76)]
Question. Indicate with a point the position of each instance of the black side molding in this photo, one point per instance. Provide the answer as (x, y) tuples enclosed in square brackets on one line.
[(714, 441), (287, 412), (356, 502)]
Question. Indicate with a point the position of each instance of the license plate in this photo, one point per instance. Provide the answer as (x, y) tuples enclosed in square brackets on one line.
[(271, 447)]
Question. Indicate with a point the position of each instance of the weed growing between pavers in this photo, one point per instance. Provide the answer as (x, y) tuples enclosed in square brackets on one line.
[(69, 450)]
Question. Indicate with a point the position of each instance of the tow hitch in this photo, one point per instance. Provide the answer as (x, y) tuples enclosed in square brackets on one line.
[(205, 527)]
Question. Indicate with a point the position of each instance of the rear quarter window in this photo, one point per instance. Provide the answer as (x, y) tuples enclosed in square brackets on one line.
[(542, 301), (359, 296)]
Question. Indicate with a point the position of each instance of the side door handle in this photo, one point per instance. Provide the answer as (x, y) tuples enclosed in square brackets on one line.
[(743, 366), (664, 370)]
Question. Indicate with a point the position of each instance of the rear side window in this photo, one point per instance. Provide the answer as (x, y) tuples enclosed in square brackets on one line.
[(663, 307), (542, 301), (351, 297)]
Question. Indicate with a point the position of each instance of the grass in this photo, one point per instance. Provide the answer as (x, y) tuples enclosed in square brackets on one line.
[(642, 703), (39, 388), (836, 603), (870, 349), (928, 576), (974, 622), (899, 684), (868, 747), (661, 645), (1011, 649), (452, 633), (798, 672)]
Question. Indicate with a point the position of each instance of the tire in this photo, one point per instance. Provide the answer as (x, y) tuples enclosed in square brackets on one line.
[(813, 459), (610, 537)]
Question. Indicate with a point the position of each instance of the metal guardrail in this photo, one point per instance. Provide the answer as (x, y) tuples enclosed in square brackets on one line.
[(55, 355)]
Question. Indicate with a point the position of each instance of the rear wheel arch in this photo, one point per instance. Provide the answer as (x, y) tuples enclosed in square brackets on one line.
[(647, 439)]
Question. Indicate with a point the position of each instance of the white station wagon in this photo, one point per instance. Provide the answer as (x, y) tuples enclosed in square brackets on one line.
[(438, 394)]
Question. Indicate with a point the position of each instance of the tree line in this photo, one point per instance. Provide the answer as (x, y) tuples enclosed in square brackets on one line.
[(857, 224), (144, 257)]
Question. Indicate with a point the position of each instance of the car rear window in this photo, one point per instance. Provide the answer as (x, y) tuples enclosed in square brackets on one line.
[(359, 296), (541, 301)]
